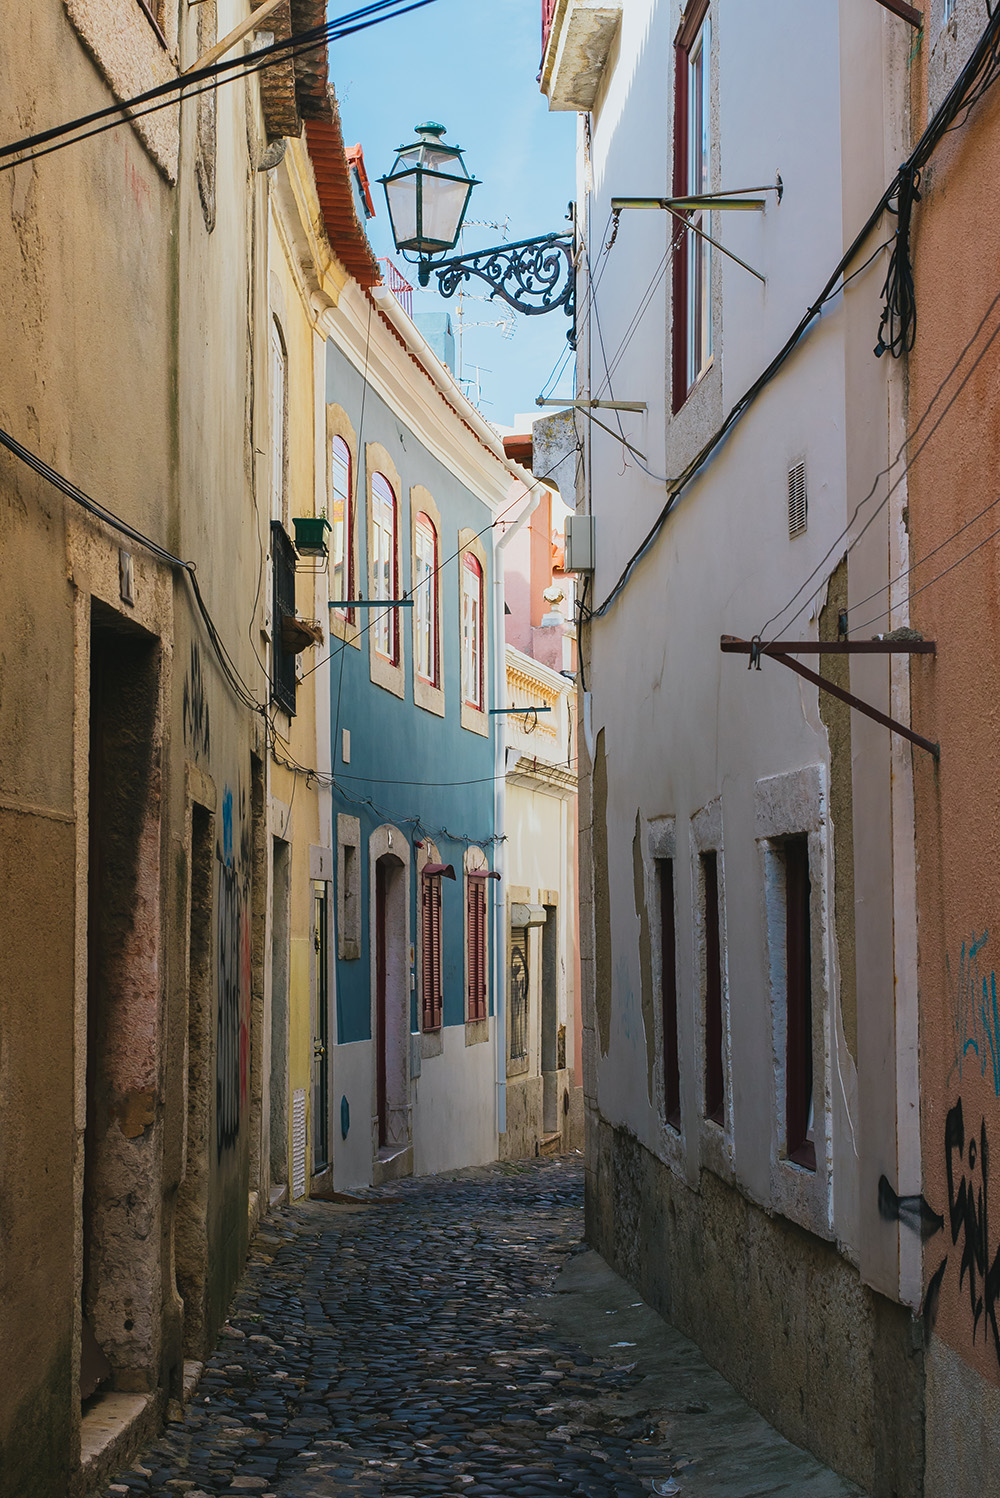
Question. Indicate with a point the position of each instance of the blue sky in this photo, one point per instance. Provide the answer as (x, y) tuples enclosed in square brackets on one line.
[(470, 65)]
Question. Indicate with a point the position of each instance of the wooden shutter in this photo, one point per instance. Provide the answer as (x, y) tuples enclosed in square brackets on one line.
[(477, 948), (431, 984)]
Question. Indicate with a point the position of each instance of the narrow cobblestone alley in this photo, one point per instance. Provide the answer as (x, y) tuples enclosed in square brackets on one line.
[(407, 1342)]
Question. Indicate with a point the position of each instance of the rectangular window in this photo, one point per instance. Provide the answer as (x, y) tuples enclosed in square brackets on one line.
[(472, 631), (348, 887), (385, 626), (668, 994), (431, 968), (692, 258), (279, 425), (282, 661), (799, 1142), (425, 592), (476, 941), (341, 525), (715, 1076), (519, 987)]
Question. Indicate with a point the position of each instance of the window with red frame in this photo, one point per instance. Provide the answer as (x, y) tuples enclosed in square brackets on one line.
[(472, 632), (476, 942), (431, 970), (425, 600), (341, 524), (799, 1141), (692, 255), (668, 994), (384, 566)]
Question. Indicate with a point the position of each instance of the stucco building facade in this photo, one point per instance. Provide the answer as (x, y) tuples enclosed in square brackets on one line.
[(748, 917)]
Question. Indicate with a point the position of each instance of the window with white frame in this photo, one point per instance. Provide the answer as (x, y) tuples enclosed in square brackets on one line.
[(341, 523), (425, 600), (385, 626), (472, 632)]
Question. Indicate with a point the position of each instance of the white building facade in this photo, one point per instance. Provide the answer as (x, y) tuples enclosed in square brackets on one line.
[(747, 927)]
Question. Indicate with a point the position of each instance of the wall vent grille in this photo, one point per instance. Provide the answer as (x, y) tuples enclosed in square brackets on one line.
[(298, 1143), (797, 505)]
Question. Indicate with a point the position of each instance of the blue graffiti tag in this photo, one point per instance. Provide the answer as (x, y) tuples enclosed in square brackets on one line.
[(975, 1012)]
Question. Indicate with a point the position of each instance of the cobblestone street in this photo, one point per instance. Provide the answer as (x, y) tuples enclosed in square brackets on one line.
[(408, 1343)]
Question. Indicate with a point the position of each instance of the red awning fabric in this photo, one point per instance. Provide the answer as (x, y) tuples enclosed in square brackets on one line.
[(482, 874), (446, 869)]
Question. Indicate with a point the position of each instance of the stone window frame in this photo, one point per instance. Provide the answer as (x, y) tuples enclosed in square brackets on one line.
[(475, 719), (348, 888), (338, 424), (520, 894), (427, 694), (796, 804), (134, 52), (661, 844), (476, 1030), (715, 1140), (384, 673), (431, 1041)]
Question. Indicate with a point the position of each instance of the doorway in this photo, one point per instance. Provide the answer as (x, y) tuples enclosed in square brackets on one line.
[(321, 1030), (392, 1006), (121, 1282)]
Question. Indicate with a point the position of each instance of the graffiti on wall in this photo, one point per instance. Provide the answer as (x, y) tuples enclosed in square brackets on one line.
[(974, 1258), (194, 706), (975, 1012), (232, 1052)]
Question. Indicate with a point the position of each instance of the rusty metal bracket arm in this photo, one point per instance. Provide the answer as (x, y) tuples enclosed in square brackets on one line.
[(904, 11), (889, 647), (733, 645)]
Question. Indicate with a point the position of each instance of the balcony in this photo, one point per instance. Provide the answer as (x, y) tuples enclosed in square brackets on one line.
[(577, 39), (398, 285)]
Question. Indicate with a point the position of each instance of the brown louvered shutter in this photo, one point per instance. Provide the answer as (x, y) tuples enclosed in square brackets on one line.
[(477, 949), (432, 971)]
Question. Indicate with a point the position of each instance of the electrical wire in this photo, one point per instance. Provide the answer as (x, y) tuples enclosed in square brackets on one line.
[(241, 67), (243, 692), (908, 571), (538, 479), (884, 473), (976, 77), (924, 586)]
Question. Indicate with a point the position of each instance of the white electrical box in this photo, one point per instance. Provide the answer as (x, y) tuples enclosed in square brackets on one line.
[(579, 543)]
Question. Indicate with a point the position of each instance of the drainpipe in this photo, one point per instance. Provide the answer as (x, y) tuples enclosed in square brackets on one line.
[(499, 805)]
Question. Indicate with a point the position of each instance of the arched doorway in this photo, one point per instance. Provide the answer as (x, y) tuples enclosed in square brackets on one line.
[(392, 1006)]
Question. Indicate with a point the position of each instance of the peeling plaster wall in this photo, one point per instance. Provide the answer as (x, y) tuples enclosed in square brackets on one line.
[(142, 397)]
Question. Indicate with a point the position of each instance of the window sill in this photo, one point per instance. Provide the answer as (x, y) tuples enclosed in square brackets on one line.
[(477, 1031), (431, 1044), (428, 696), (475, 720)]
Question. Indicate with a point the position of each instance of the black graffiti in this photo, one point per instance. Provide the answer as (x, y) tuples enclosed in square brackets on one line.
[(227, 1071), (914, 1212), (967, 1168), (194, 707), (968, 1212)]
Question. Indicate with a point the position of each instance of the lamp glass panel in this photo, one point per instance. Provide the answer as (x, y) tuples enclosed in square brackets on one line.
[(443, 205), (401, 195)]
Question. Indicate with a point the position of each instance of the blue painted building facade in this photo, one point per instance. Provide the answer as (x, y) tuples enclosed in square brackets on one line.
[(416, 480)]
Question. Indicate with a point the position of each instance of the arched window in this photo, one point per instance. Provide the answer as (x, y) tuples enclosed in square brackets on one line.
[(279, 425), (425, 600), (341, 523), (472, 632), (386, 627)]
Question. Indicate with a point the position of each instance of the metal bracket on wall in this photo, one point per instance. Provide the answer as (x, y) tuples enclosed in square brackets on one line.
[(782, 650), (904, 11), (730, 199)]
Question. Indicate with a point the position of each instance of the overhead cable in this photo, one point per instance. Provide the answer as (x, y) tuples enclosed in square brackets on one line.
[(45, 142), (976, 77)]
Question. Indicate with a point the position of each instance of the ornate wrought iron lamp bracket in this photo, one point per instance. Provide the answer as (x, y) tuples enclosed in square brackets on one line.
[(531, 275)]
